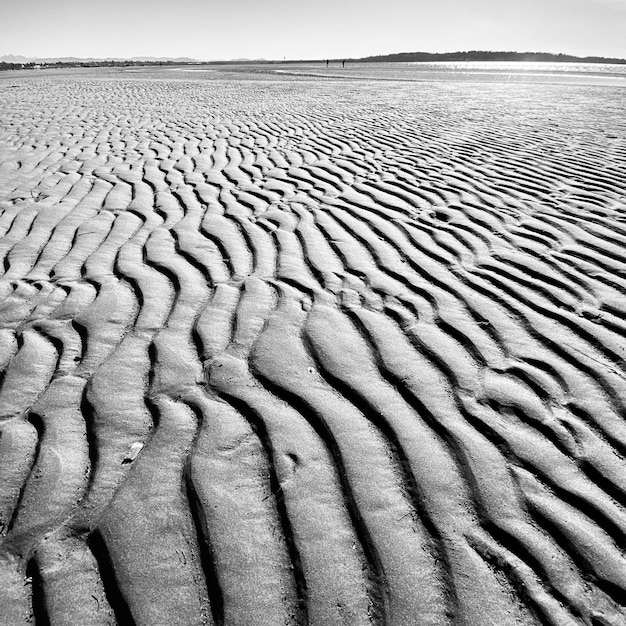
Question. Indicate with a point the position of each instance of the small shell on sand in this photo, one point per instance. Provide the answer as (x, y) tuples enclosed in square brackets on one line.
[(133, 452)]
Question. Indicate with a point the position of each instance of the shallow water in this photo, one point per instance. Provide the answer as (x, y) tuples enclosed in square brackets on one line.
[(472, 71)]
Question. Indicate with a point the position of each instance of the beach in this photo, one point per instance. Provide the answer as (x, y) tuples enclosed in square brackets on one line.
[(286, 347)]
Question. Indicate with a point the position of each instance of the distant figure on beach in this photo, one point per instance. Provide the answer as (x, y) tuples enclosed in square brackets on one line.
[(326, 62), (343, 64)]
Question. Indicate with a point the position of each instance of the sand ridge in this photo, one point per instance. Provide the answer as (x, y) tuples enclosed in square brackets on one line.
[(287, 352)]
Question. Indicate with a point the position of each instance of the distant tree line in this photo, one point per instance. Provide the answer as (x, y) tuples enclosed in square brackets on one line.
[(482, 55), (35, 65), (11, 66)]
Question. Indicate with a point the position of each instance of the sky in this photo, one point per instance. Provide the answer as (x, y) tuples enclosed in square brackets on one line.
[(315, 29)]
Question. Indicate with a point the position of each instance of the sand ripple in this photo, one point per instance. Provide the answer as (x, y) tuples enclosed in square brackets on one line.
[(319, 352)]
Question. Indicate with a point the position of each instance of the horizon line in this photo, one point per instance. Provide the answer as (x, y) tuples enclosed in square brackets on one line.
[(29, 59)]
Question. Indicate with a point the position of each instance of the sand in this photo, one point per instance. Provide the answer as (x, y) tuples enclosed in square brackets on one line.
[(287, 350)]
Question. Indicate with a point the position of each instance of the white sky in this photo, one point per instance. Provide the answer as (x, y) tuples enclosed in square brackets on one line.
[(273, 29)]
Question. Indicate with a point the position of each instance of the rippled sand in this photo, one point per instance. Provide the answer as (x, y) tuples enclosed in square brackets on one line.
[(287, 350)]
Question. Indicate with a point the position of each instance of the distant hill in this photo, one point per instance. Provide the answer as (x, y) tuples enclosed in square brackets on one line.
[(483, 55), (14, 58)]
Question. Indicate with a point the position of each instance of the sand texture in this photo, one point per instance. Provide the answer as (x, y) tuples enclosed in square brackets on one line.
[(286, 350)]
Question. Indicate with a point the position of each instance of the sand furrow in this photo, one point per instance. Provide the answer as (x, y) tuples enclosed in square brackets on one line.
[(253, 573), (147, 520)]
